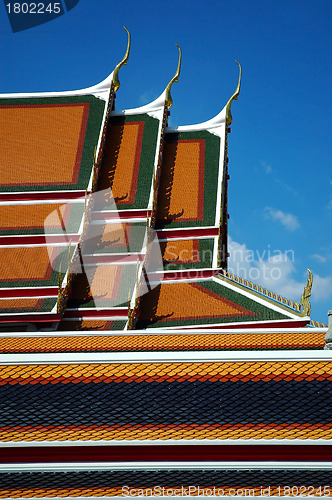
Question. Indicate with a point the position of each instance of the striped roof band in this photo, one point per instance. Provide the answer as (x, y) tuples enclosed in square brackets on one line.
[(133, 343), (168, 372), (166, 401)]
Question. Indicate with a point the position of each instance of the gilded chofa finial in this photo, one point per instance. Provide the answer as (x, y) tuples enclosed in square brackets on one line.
[(116, 81), (305, 303), (235, 97), (168, 99)]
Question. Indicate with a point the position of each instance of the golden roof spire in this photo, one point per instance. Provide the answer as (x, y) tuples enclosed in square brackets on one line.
[(116, 82), (168, 98), (305, 303), (235, 96)]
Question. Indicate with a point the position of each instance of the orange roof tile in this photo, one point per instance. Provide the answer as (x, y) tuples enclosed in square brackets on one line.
[(51, 139), (121, 160), (177, 301), (159, 372), (26, 263), (180, 158), (38, 216), (157, 342)]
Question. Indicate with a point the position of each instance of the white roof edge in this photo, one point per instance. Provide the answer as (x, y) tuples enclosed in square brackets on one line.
[(149, 108), (165, 357), (98, 90), (64, 466), (222, 326), (157, 332), (168, 442), (211, 125)]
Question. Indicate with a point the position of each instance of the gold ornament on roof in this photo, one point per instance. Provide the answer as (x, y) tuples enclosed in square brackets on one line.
[(168, 98), (305, 303), (116, 81), (234, 97)]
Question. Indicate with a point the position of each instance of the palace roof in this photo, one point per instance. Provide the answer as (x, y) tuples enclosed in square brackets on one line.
[(129, 354)]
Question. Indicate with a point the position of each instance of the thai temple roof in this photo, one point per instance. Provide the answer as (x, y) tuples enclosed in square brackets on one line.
[(130, 356)]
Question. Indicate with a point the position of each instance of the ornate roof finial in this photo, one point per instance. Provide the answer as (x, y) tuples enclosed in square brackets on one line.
[(168, 98), (305, 303), (116, 82), (235, 96)]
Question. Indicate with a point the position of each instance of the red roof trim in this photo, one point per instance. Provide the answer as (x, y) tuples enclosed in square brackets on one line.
[(39, 239), (42, 195), (166, 453)]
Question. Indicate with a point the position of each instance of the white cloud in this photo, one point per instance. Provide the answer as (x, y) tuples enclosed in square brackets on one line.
[(286, 187), (268, 169), (319, 258), (289, 221), (271, 269), (321, 288), (274, 270)]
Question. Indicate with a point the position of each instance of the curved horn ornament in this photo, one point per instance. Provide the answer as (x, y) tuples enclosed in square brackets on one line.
[(168, 98), (116, 81), (234, 97)]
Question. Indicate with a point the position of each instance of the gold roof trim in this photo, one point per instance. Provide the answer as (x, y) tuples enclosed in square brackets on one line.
[(234, 97), (116, 81), (168, 98)]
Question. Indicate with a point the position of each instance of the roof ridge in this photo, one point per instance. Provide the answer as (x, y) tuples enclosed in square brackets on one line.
[(263, 291)]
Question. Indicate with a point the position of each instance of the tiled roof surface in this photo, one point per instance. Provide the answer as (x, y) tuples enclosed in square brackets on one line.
[(115, 237), (31, 266), (49, 144), (128, 161), (64, 132), (197, 153), (103, 285), (132, 343), (38, 218), (26, 305), (90, 324), (201, 302), (182, 400), (188, 254), (109, 483)]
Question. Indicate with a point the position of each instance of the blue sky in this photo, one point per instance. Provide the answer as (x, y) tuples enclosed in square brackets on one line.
[(280, 192)]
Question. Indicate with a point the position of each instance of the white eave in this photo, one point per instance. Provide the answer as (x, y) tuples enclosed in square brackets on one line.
[(152, 109), (100, 90), (214, 126), (166, 357)]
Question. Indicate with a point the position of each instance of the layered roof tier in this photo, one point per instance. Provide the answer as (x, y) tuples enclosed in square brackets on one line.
[(129, 355), (54, 398)]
